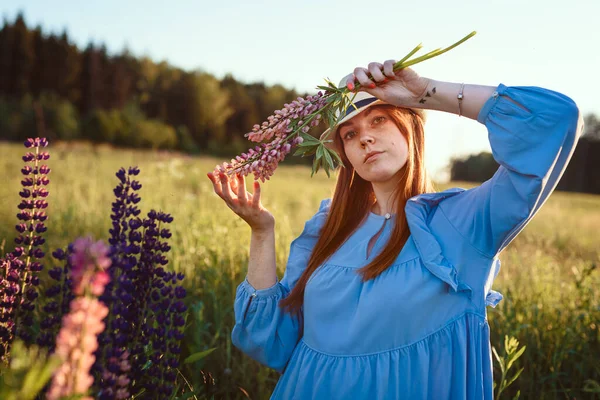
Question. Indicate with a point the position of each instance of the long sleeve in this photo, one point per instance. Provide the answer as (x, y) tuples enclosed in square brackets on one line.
[(532, 133), (262, 329)]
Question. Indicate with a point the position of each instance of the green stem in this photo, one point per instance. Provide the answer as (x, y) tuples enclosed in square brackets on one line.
[(403, 63), (406, 57), (436, 53)]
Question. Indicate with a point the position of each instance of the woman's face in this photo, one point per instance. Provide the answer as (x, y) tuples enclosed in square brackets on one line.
[(373, 130)]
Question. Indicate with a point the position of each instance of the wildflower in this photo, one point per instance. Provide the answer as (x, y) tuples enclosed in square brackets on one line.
[(137, 252), (22, 266), (76, 341)]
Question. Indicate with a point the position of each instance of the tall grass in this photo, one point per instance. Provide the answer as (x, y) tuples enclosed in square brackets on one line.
[(549, 276)]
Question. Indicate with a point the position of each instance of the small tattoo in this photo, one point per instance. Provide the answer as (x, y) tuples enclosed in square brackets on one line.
[(422, 101)]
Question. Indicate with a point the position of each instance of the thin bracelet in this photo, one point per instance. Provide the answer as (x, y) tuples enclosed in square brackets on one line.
[(460, 99)]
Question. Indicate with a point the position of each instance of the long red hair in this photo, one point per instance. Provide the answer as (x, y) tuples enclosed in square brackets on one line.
[(352, 201)]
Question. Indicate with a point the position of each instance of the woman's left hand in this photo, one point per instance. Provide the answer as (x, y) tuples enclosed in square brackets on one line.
[(403, 88)]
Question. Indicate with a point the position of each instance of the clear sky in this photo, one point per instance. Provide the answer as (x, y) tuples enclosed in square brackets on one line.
[(548, 43)]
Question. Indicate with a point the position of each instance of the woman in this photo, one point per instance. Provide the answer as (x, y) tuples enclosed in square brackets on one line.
[(371, 309)]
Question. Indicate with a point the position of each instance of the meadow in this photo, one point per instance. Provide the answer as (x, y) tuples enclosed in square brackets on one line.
[(549, 278)]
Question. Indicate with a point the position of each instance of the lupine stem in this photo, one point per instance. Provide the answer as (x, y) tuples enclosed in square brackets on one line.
[(429, 55)]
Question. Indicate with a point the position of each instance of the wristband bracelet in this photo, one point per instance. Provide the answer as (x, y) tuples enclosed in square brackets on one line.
[(460, 99)]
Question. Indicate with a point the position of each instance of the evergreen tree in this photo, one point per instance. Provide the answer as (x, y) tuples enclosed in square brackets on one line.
[(21, 59)]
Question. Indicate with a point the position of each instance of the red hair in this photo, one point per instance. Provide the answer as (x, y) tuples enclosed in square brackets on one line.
[(352, 201)]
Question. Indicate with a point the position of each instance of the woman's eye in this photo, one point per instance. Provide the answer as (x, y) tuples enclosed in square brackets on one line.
[(378, 120), (347, 136)]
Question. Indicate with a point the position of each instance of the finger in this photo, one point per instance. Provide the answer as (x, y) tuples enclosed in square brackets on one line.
[(363, 79), (350, 81), (225, 187), (233, 181), (256, 195), (241, 189), (388, 68), (216, 183), (375, 71)]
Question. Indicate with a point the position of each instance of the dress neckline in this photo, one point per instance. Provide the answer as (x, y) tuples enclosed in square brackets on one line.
[(381, 217)]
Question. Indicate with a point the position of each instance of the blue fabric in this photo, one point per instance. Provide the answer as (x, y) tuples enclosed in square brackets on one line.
[(419, 330)]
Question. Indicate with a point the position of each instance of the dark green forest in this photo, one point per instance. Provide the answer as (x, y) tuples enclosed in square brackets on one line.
[(51, 88)]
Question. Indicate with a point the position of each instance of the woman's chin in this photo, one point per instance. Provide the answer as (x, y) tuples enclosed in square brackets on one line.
[(379, 175)]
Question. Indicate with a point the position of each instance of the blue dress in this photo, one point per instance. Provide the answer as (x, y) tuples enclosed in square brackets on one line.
[(419, 330)]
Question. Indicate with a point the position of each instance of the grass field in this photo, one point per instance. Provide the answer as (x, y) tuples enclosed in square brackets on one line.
[(549, 277)]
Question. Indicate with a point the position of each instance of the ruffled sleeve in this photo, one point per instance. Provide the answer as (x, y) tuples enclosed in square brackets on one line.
[(262, 329), (532, 133)]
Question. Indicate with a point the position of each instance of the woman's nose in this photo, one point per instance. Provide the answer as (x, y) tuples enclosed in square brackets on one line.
[(366, 139)]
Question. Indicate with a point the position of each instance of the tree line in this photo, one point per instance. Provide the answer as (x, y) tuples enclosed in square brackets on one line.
[(48, 87)]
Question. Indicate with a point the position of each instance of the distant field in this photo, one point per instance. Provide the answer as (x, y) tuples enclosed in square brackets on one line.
[(550, 274)]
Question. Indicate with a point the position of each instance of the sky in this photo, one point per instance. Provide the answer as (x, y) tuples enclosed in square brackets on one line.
[(552, 44)]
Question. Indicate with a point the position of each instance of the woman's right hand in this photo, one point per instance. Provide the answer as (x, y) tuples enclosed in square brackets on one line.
[(247, 206)]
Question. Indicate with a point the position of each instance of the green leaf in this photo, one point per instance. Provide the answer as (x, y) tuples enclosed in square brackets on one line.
[(309, 138), (312, 151), (309, 144), (198, 356), (515, 357), (300, 152), (500, 360), (331, 119), (514, 378), (337, 157), (319, 152), (329, 161), (315, 167)]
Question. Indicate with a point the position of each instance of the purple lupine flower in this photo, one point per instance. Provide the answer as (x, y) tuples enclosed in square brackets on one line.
[(22, 265), (120, 292), (170, 311), (261, 161), (58, 296)]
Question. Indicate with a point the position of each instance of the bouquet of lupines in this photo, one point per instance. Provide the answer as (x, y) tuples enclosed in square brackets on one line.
[(289, 127), (139, 303)]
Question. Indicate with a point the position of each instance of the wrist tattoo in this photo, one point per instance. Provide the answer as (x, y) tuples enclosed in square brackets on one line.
[(422, 101)]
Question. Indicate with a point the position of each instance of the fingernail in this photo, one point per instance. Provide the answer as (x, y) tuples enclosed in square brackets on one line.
[(350, 86), (372, 86)]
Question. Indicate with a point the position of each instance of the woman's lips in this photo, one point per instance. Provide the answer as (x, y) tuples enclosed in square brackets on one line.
[(372, 157)]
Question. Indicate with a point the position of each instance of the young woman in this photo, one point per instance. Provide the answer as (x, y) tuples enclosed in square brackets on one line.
[(385, 291)]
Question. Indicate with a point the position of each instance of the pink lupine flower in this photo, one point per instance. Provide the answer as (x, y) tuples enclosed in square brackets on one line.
[(75, 344), (285, 125), (77, 340), (86, 256)]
